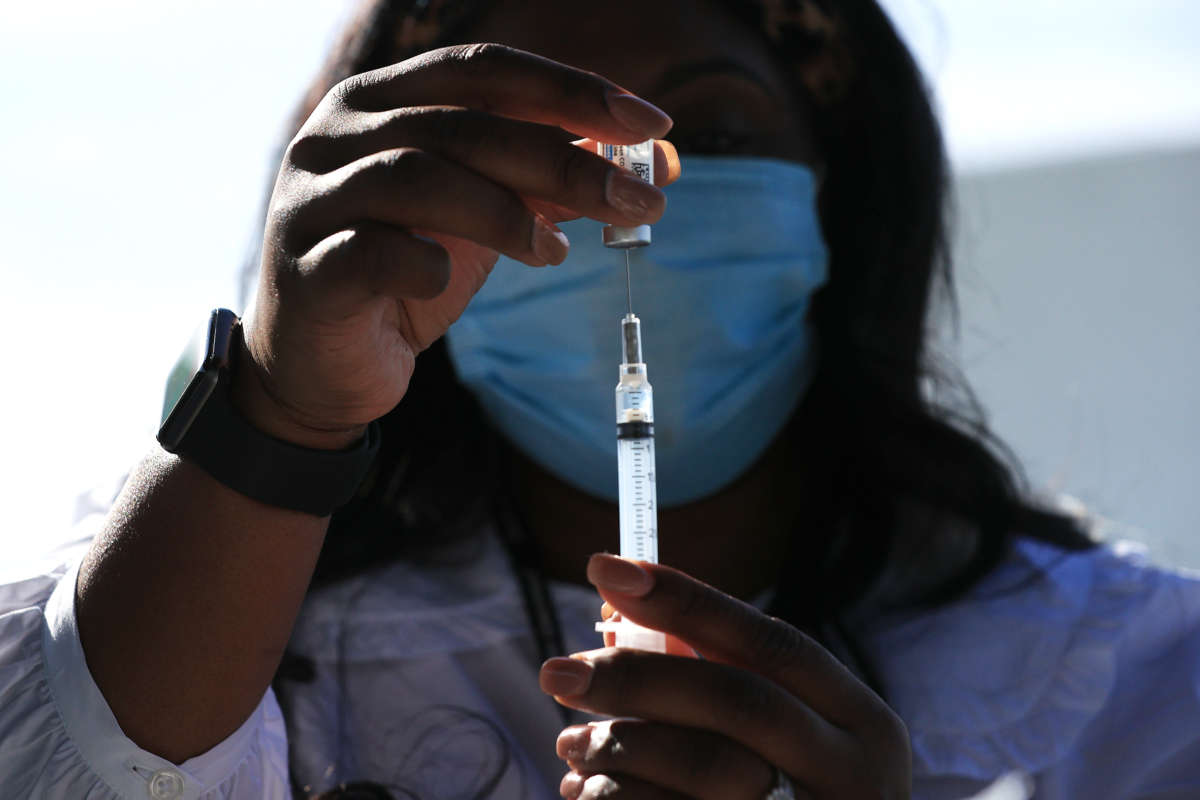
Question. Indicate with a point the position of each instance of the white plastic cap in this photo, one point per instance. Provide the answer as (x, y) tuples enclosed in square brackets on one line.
[(625, 238), (630, 634)]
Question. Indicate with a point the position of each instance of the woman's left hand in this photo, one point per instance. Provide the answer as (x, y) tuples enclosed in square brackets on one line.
[(764, 696)]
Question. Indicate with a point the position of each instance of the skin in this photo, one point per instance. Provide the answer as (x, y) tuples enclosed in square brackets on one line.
[(390, 208)]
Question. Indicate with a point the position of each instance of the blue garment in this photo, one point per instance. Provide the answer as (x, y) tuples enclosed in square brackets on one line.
[(722, 295)]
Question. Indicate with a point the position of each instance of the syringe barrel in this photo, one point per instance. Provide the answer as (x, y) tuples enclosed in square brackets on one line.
[(638, 499), (637, 495), (638, 159)]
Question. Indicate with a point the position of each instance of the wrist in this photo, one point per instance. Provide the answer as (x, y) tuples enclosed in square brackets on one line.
[(260, 408)]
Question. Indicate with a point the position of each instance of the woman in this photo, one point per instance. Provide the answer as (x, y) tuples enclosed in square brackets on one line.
[(805, 466)]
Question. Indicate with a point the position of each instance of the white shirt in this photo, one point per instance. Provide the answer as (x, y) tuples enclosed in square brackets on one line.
[(1077, 673)]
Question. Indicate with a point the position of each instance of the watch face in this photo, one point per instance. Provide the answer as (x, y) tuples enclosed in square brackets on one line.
[(177, 423), (196, 374), (190, 361)]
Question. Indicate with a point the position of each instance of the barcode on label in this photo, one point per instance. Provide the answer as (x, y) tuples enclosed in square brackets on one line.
[(643, 170)]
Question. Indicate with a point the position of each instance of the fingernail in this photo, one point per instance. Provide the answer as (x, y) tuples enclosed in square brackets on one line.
[(565, 677), (549, 245), (637, 115), (571, 785), (618, 575), (629, 194), (572, 743)]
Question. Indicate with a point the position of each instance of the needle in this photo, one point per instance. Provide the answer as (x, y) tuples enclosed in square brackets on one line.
[(628, 290)]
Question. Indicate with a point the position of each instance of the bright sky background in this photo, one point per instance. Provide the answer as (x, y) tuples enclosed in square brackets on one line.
[(136, 141)]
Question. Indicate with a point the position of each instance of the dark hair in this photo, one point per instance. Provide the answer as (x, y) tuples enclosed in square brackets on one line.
[(913, 476)]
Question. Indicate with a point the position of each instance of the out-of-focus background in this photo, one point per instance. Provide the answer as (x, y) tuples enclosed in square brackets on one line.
[(138, 137)]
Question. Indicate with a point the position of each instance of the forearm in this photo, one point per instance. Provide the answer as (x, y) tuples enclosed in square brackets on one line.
[(186, 601)]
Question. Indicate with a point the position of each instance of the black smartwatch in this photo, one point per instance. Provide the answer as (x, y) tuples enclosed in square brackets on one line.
[(204, 427)]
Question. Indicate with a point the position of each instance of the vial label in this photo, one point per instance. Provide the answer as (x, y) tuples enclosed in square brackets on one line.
[(637, 158)]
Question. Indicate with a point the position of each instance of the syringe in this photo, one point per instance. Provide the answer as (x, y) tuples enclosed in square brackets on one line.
[(637, 498), (636, 494)]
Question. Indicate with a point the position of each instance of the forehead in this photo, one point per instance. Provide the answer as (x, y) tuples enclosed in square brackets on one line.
[(632, 42)]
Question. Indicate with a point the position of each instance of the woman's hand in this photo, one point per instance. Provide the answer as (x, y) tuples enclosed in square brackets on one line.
[(762, 695), (392, 205)]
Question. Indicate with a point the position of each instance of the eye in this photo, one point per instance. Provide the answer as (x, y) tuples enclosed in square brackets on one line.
[(711, 142)]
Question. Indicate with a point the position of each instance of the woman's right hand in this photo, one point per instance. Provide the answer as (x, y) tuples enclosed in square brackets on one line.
[(392, 205)]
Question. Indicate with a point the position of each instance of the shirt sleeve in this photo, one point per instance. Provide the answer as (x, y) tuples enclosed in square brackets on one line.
[(61, 740), (1156, 721), (1146, 743)]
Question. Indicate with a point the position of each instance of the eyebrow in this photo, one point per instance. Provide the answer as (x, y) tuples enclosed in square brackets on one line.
[(679, 75)]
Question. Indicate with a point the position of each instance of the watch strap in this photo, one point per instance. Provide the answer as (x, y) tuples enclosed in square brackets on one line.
[(228, 447), (206, 428)]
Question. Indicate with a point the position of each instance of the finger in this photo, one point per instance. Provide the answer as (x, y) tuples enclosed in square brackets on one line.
[(550, 211), (571, 785), (319, 150), (727, 630), (667, 166), (414, 189), (678, 647), (348, 267), (511, 82), (625, 787), (692, 762), (530, 159), (713, 697)]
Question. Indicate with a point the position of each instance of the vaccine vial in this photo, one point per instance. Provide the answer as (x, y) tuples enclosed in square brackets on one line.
[(638, 159)]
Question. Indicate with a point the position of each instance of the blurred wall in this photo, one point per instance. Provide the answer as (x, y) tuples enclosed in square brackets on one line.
[(1079, 286)]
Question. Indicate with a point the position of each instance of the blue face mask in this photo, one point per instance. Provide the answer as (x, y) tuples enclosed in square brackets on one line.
[(722, 295)]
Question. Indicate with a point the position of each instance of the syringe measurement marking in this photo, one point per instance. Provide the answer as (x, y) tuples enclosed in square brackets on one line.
[(643, 535)]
